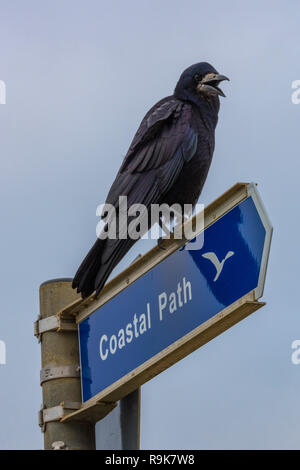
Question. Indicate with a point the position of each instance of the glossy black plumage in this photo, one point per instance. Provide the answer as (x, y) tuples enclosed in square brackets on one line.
[(167, 162)]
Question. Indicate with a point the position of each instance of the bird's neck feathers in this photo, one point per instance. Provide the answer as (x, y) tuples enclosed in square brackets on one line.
[(207, 108)]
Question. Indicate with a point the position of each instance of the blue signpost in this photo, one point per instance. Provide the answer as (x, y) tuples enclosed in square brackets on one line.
[(176, 297)]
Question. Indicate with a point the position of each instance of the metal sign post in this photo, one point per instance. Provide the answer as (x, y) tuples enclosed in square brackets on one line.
[(60, 373)]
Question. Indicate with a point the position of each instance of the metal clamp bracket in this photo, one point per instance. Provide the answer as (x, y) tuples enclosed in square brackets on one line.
[(56, 413), (59, 372), (54, 323)]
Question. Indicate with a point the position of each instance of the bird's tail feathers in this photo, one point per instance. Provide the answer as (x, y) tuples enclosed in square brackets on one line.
[(98, 264), (86, 274)]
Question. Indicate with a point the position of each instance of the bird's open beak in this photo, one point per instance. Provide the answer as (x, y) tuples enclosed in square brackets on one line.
[(209, 84)]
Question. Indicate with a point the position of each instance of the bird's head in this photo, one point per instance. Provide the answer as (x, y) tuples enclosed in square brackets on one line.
[(201, 80)]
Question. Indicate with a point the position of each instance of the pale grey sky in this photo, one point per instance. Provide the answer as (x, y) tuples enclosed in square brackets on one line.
[(80, 76)]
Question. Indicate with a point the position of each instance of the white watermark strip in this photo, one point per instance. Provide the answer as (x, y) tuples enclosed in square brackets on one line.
[(296, 94), (2, 353), (295, 357), (2, 92)]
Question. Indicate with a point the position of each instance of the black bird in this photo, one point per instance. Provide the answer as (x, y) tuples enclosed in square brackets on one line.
[(167, 162)]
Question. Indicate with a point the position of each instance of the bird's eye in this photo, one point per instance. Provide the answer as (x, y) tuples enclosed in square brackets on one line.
[(197, 77)]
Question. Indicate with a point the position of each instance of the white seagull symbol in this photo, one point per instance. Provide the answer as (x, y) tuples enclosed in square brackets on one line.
[(217, 264)]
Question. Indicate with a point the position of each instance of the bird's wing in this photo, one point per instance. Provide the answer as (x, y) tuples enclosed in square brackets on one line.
[(151, 124), (164, 141)]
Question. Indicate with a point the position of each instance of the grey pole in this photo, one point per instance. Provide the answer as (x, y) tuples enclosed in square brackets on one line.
[(120, 429), (60, 378)]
